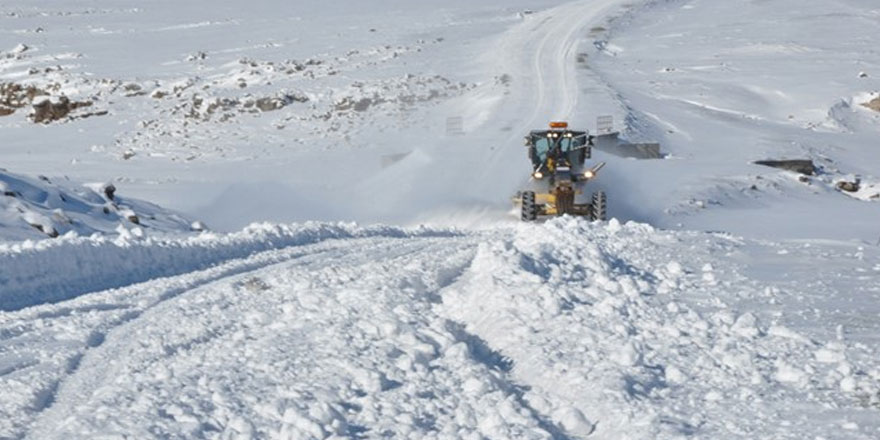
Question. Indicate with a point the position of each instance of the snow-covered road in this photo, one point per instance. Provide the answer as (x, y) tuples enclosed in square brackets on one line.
[(532, 331), (536, 80), (542, 53)]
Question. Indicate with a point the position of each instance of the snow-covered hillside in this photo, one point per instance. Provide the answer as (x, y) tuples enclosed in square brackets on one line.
[(726, 299), (725, 84), (204, 108), (342, 112)]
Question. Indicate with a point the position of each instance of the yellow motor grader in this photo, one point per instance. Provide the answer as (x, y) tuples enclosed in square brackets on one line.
[(558, 158)]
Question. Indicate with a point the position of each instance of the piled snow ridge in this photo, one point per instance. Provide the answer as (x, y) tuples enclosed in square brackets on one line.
[(36, 208), (37, 272), (629, 332)]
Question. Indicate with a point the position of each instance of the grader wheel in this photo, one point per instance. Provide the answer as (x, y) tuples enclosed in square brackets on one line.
[(599, 207), (529, 208)]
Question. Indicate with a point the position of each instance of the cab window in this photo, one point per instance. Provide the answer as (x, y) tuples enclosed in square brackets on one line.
[(542, 146)]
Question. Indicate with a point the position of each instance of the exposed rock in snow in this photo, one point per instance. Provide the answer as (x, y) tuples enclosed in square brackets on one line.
[(802, 166), (19, 49), (873, 104), (847, 186), (14, 96), (49, 110), (34, 208)]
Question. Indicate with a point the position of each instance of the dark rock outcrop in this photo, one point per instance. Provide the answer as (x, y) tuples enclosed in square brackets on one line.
[(46, 111), (801, 166), (15, 96), (873, 104), (109, 191), (844, 185)]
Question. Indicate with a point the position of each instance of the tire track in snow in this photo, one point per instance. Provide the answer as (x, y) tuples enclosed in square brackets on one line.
[(554, 82), (155, 292), (107, 311), (482, 352), (539, 54), (92, 365), (552, 62), (46, 272), (332, 282)]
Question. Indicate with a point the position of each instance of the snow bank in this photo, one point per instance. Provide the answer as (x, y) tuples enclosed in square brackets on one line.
[(36, 272)]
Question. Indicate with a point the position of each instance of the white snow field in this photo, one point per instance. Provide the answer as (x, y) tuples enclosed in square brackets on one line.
[(724, 300), (723, 84)]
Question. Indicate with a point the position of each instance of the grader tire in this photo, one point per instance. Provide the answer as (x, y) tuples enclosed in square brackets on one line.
[(529, 208), (599, 207)]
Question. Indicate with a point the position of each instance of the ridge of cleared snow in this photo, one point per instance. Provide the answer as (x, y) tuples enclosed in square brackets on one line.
[(37, 272)]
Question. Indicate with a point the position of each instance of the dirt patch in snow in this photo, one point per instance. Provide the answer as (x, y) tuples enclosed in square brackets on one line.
[(202, 108), (15, 96), (46, 110), (873, 104)]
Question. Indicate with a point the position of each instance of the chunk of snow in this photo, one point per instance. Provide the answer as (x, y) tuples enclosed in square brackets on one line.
[(573, 421), (785, 332), (674, 375), (790, 374), (613, 226), (674, 269), (746, 326), (830, 353), (848, 384), (629, 355)]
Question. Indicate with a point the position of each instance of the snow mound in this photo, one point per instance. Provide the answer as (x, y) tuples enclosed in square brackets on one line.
[(39, 208)]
